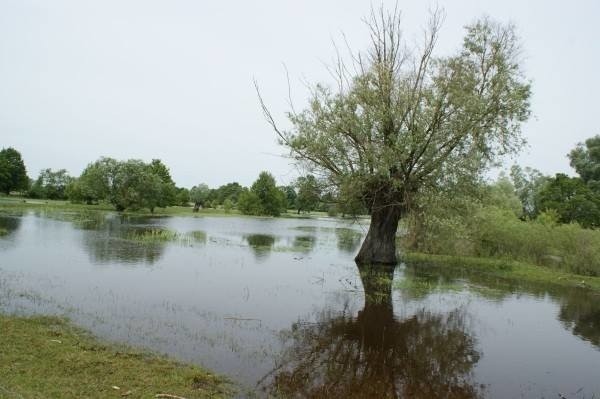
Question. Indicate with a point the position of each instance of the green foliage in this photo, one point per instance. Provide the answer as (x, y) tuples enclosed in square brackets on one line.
[(135, 186), (527, 182), (182, 196), (264, 197), (168, 191), (290, 195), (484, 222), (502, 195), (200, 196), (405, 119), (13, 175), (96, 182), (249, 203), (229, 191), (309, 193), (130, 184), (471, 225), (152, 235), (227, 205), (572, 199), (585, 159), (51, 185)]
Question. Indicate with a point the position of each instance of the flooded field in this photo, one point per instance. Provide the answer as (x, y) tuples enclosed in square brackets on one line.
[(279, 306)]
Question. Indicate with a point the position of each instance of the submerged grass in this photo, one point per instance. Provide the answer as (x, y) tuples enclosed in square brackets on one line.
[(506, 269), (154, 235), (46, 357)]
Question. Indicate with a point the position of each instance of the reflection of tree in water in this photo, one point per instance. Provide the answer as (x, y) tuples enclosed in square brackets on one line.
[(579, 307), (115, 240), (348, 239), (375, 355), (10, 224), (103, 248), (261, 244), (580, 313), (304, 244)]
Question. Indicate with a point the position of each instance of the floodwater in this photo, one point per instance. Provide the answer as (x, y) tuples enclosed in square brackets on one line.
[(279, 306)]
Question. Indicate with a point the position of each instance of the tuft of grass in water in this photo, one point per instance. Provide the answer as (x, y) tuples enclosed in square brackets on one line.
[(421, 286), (46, 357), (198, 236), (3, 231), (153, 235), (506, 269)]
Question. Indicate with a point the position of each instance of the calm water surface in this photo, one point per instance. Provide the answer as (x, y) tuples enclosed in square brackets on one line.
[(280, 307)]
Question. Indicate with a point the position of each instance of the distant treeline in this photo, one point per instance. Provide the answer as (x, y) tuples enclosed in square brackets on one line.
[(135, 185)]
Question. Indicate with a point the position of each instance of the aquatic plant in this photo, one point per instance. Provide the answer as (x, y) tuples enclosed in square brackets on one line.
[(152, 235)]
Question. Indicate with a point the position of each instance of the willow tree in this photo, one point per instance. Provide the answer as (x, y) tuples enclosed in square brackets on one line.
[(402, 119)]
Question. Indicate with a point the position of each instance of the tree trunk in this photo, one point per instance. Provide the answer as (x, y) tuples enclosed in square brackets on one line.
[(379, 246)]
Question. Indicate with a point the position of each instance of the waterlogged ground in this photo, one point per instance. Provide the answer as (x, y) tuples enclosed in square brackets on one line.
[(279, 306)]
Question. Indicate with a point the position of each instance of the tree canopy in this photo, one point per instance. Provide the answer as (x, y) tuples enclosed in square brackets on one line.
[(51, 184), (13, 175), (263, 198), (585, 159), (400, 120), (309, 193)]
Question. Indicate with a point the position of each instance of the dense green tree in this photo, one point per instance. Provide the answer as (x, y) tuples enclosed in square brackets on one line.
[(182, 196), (131, 184), (309, 193), (51, 184), (502, 194), (527, 182), (249, 203), (272, 200), (135, 186), (13, 175), (227, 205), (400, 120), (585, 159), (290, 195), (96, 181), (229, 191), (572, 199), (200, 196), (168, 191)]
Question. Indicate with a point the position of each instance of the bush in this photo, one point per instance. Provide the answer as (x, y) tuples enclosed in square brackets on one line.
[(498, 233)]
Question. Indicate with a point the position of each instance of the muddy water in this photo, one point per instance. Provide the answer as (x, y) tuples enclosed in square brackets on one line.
[(280, 307)]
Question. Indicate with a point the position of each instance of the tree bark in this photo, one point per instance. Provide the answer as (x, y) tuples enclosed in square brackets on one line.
[(379, 246)]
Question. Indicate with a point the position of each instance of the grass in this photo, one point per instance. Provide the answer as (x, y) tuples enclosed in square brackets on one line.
[(198, 236), (3, 231), (506, 269), (18, 203), (46, 357), (154, 235)]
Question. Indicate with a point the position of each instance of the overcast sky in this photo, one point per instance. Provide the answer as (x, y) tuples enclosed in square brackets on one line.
[(173, 79)]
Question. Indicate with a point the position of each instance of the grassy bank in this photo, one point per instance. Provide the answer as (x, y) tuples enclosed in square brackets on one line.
[(506, 269), (17, 204), (45, 357)]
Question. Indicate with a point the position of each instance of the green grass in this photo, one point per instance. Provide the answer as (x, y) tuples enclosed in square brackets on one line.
[(152, 235), (3, 231), (46, 357), (17, 203), (198, 236), (506, 269)]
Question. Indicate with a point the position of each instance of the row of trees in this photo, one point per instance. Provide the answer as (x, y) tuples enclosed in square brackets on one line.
[(571, 199), (134, 184)]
